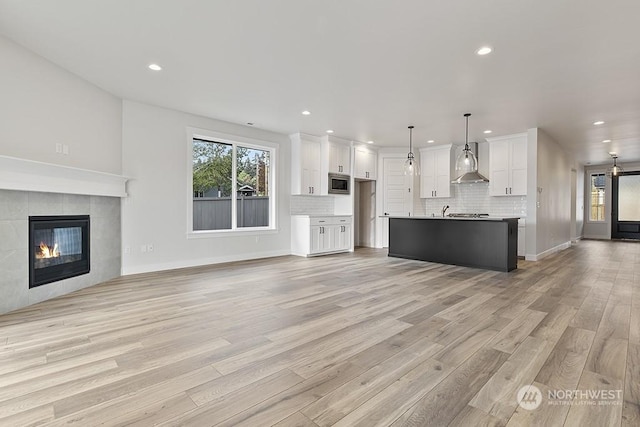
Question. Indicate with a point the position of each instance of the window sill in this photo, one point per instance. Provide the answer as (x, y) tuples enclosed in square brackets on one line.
[(231, 233)]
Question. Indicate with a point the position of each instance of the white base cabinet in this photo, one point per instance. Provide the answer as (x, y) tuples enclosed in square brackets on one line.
[(315, 235), (521, 237)]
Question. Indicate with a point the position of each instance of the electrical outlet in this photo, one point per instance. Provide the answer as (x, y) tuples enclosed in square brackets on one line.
[(150, 247), (127, 250), (58, 148), (143, 248), (65, 149)]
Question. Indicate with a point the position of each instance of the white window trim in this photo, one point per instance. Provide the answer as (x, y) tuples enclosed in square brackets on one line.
[(196, 133), (607, 190)]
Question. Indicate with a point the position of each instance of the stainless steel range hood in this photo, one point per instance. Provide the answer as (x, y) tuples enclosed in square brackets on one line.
[(472, 176)]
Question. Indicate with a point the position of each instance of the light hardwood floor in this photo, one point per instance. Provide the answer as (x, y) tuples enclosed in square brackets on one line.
[(348, 340)]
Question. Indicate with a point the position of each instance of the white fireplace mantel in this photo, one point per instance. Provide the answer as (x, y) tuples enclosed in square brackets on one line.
[(29, 175)]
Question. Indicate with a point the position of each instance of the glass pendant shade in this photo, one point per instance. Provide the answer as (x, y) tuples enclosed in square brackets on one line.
[(466, 161), (615, 170), (411, 166)]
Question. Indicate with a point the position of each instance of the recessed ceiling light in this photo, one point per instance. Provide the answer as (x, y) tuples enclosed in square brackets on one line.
[(369, 142), (488, 131), (431, 141), (155, 67), (329, 131), (606, 140), (598, 123), (306, 113), (484, 50)]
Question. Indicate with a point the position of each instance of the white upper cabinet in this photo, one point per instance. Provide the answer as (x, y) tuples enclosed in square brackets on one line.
[(436, 164), (305, 164), (508, 165), (339, 158), (366, 163)]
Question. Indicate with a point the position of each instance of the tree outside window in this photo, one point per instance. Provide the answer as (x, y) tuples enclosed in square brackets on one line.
[(216, 187)]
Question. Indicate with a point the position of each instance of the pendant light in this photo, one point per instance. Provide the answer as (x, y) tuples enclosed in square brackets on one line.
[(467, 162), (411, 165), (615, 170)]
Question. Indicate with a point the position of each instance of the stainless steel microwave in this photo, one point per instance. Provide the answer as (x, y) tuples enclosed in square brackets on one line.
[(339, 184)]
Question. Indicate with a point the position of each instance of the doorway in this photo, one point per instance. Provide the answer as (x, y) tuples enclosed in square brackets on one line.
[(625, 206), (364, 230)]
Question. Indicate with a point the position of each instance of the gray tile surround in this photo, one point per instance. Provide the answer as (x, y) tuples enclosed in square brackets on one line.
[(15, 208)]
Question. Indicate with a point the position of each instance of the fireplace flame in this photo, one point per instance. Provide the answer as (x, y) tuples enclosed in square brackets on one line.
[(48, 252)]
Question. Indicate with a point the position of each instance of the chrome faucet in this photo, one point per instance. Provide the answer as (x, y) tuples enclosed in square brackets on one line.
[(444, 210)]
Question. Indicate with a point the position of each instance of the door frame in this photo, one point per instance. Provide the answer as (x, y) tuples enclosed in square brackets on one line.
[(385, 153), (615, 234)]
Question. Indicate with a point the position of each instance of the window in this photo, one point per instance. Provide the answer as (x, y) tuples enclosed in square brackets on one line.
[(231, 185), (628, 203), (596, 212)]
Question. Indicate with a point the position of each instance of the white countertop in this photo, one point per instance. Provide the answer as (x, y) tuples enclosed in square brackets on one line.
[(485, 218), (323, 216)]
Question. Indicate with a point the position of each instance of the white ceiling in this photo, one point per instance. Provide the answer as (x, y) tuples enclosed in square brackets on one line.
[(364, 68)]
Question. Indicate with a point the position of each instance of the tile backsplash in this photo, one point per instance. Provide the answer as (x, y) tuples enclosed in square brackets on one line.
[(312, 205), (474, 198)]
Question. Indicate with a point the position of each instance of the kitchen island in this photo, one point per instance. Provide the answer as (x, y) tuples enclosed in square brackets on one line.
[(488, 242)]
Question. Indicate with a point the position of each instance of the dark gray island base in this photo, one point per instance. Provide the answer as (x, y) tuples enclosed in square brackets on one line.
[(490, 243)]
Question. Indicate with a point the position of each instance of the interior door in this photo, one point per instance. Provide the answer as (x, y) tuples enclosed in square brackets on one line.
[(398, 196), (625, 206)]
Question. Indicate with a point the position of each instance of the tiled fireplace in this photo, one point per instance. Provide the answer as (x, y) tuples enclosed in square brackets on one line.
[(58, 248), (103, 244)]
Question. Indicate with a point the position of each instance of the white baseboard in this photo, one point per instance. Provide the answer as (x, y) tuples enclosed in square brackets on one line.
[(548, 252), (151, 268), (596, 237)]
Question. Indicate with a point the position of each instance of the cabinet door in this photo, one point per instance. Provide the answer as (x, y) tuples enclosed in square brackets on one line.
[(365, 164), (339, 159), (443, 173), (427, 174), (443, 186), (321, 239), (343, 237), (518, 172), (499, 168), (310, 159), (372, 165), (316, 244)]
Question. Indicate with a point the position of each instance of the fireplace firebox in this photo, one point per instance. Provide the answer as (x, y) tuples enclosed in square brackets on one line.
[(58, 248)]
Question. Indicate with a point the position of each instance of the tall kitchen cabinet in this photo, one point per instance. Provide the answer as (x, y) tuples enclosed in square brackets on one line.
[(508, 165), (305, 164), (436, 165), (365, 163)]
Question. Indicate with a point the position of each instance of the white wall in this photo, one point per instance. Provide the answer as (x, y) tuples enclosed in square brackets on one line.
[(155, 157), (553, 198), (42, 104)]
